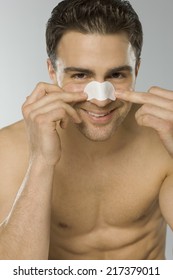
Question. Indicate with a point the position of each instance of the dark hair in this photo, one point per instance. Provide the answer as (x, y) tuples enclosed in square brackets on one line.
[(93, 16)]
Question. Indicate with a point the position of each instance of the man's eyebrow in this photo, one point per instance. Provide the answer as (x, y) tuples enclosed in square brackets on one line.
[(122, 68), (77, 69), (91, 72)]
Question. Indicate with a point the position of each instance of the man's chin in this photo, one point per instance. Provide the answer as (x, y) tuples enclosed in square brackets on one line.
[(96, 134)]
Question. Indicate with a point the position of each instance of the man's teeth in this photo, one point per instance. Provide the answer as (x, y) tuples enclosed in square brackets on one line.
[(97, 115)]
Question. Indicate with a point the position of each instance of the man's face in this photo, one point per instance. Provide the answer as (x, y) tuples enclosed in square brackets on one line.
[(84, 58)]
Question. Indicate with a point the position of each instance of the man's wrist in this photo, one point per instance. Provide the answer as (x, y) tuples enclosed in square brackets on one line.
[(40, 163)]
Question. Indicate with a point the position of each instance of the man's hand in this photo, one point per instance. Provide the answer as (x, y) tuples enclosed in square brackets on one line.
[(47, 107), (156, 112)]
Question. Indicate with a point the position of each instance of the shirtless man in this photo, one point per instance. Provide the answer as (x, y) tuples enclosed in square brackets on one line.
[(89, 179)]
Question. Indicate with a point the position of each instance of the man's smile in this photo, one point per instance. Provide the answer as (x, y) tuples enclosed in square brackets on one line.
[(99, 116)]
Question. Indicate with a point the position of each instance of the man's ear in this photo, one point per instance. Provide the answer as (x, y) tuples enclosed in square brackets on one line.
[(138, 63), (51, 70)]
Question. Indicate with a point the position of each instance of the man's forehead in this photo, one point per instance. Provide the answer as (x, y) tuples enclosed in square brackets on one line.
[(91, 50), (90, 41)]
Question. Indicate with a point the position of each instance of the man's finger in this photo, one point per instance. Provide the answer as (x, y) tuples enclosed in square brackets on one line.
[(145, 98), (158, 112), (41, 90), (161, 92), (132, 96)]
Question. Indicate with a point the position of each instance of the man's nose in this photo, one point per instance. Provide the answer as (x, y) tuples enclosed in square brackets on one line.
[(99, 103)]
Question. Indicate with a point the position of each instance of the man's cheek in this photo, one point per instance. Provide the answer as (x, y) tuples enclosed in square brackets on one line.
[(73, 87)]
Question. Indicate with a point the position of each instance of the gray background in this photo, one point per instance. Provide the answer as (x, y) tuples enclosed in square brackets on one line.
[(23, 55)]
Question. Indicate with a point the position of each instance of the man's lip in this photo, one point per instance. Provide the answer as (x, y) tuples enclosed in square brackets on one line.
[(99, 117), (99, 112)]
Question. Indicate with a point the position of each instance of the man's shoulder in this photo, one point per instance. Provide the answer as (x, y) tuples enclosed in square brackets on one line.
[(13, 128), (153, 151), (13, 163), (160, 153), (13, 137), (13, 146)]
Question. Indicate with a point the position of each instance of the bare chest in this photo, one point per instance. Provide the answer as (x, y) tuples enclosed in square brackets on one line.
[(113, 193)]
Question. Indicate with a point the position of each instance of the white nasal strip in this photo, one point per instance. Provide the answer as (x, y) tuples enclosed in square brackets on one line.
[(100, 91)]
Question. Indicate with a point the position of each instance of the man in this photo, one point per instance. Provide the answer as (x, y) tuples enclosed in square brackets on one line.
[(89, 179)]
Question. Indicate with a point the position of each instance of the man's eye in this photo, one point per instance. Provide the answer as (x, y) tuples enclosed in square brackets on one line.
[(117, 75), (79, 76)]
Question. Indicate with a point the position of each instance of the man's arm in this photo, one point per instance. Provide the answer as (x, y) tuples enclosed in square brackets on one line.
[(24, 233), (166, 200), (157, 112)]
